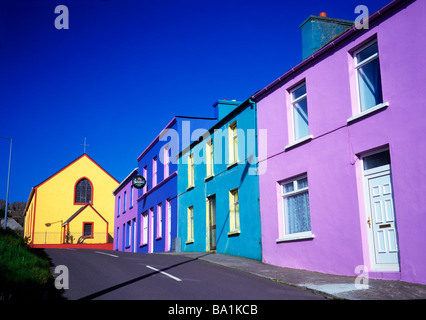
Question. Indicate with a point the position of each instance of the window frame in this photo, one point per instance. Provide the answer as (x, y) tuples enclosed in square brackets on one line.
[(358, 65), (234, 212), (190, 224), (233, 143), (191, 172), (284, 236), (159, 220), (91, 236), (91, 191), (154, 171), (209, 159), (293, 102)]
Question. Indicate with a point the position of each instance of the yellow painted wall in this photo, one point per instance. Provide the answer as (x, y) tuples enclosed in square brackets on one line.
[(99, 226), (53, 200)]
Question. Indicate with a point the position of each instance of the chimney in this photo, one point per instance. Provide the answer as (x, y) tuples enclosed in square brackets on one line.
[(317, 31), (223, 107)]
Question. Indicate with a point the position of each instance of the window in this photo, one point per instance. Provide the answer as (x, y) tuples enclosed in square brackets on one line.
[(166, 161), (159, 220), (128, 233), (233, 143), (145, 175), (124, 201), (83, 192), (131, 197), (190, 222), (190, 170), (118, 206), (209, 158), (234, 211), (144, 228), (154, 171), (368, 76), (88, 229), (299, 109), (295, 197)]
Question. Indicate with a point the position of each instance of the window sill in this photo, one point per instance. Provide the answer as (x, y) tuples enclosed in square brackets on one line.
[(296, 236), (190, 188), (297, 142), (231, 165), (368, 111), (189, 242), (233, 233), (208, 178), (159, 238)]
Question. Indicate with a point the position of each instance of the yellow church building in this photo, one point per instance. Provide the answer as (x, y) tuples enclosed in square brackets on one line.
[(72, 208)]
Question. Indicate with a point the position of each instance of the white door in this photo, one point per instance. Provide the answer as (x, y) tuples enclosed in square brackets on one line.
[(383, 239), (383, 219)]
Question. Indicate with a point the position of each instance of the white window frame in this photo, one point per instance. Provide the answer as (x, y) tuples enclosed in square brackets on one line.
[(144, 228), (159, 220), (357, 66), (293, 122), (154, 171), (284, 195), (166, 160), (234, 212), (233, 143), (191, 180), (209, 159), (190, 224)]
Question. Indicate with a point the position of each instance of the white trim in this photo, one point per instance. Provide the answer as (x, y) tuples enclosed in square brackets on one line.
[(367, 175), (296, 236), (368, 111), (299, 141)]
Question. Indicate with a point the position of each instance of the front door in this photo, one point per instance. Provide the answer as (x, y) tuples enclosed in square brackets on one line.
[(381, 214), (211, 206)]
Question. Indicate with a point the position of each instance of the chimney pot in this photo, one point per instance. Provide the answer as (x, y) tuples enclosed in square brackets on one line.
[(323, 14)]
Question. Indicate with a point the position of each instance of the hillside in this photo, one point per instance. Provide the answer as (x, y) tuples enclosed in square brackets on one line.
[(17, 210)]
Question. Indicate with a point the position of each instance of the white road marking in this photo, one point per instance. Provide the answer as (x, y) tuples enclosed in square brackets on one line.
[(108, 254), (165, 273)]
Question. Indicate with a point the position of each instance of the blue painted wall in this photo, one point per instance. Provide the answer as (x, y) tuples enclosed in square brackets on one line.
[(246, 243), (177, 134)]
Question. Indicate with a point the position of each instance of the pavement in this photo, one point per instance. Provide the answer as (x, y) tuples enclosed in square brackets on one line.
[(328, 285)]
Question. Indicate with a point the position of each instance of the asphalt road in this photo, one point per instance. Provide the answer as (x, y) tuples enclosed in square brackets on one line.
[(112, 275)]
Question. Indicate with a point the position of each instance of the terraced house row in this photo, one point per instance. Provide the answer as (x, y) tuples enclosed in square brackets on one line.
[(320, 170)]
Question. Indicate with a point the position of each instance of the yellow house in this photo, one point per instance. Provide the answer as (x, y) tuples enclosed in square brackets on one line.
[(72, 208)]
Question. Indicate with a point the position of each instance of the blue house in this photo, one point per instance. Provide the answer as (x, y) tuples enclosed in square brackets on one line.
[(156, 221), (218, 185)]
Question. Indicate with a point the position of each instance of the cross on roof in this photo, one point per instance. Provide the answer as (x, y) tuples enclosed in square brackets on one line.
[(85, 145)]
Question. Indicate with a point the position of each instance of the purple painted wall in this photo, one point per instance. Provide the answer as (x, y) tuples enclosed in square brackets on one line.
[(331, 158), (125, 213)]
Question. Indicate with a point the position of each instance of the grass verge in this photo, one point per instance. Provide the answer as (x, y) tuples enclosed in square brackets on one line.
[(24, 272)]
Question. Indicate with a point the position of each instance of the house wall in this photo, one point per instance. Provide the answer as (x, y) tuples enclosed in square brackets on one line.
[(177, 134), (331, 159), (125, 213), (53, 200), (226, 177)]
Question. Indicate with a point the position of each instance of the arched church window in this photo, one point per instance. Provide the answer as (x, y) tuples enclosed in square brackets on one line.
[(83, 191)]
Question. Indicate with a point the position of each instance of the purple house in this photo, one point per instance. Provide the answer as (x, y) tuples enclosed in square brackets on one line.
[(343, 191), (126, 208)]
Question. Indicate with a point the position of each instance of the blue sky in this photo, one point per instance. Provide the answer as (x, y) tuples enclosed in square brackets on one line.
[(124, 68)]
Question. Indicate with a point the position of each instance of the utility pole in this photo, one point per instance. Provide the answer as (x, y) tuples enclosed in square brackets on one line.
[(8, 183)]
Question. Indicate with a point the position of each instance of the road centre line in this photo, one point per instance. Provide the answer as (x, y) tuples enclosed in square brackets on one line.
[(165, 273), (108, 254)]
